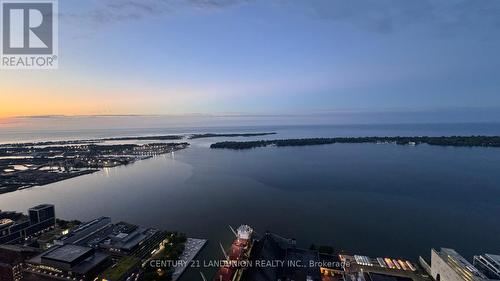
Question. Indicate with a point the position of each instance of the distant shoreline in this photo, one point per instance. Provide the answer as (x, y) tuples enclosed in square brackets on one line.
[(211, 135), (24, 167), (91, 141), (29, 164), (459, 141), (138, 138)]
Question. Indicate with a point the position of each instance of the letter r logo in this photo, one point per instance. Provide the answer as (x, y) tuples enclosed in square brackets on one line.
[(27, 28)]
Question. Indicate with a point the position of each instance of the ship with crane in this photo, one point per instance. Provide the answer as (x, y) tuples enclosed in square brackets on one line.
[(237, 256)]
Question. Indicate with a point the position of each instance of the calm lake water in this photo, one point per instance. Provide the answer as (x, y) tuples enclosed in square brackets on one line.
[(378, 200)]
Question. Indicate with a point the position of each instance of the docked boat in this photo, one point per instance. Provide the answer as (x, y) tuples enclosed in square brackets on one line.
[(237, 255)]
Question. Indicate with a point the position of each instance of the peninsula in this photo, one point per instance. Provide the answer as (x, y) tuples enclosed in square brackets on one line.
[(23, 166), (93, 141)]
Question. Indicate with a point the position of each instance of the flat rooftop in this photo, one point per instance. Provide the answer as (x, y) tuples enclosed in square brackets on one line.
[(12, 215), (446, 252), (88, 229), (85, 266), (67, 253), (41, 206), (67, 258), (459, 263)]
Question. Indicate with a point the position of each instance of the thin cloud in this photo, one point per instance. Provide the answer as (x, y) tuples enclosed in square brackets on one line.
[(387, 16), (109, 11), (382, 16), (480, 18), (216, 4)]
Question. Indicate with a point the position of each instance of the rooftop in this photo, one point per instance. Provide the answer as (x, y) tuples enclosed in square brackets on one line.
[(41, 206), (67, 253), (460, 264), (88, 264), (85, 230), (6, 221), (72, 258), (11, 215)]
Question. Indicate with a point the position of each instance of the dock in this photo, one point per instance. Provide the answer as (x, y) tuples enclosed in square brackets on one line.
[(193, 247)]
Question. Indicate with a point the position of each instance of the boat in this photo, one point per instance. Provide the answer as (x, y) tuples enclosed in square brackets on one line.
[(237, 256)]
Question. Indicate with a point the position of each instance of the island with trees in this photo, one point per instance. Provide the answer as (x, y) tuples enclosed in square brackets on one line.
[(462, 141)]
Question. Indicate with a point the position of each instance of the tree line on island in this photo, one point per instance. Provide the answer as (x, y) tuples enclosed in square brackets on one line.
[(212, 135), (461, 141)]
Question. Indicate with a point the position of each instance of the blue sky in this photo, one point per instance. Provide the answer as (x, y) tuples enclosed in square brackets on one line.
[(269, 57)]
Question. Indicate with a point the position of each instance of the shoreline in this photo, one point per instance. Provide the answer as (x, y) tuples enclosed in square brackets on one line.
[(457, 141), (61, 163)]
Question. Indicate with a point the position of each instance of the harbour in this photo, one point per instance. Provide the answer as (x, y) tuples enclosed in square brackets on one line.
[(279, 189)]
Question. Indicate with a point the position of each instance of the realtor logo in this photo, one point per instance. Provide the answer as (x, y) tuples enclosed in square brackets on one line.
[(29, 34)]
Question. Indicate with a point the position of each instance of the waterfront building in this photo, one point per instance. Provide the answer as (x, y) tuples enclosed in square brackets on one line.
[(67, 262), (84, 231), (489, 265), (118, 239), (42, 217), (41, 213), (14, 226), (331, 266), (123, 238), (79, 254), (364, 268), (448, 265)]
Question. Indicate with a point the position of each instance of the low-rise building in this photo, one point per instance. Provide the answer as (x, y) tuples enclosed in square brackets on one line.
[(84, 231), (67, 262), (14, 226), (124, 238), (11, 258), (118, 239), (448, 265)]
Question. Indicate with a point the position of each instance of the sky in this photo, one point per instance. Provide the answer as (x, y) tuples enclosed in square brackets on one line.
[(278, 57)]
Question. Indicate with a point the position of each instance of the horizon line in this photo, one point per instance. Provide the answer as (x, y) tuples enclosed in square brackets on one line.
[(262, 114)]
